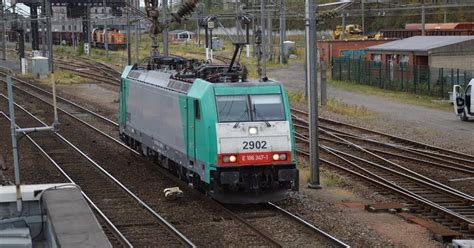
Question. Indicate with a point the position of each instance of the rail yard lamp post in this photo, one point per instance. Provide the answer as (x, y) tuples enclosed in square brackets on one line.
[(106, 32)]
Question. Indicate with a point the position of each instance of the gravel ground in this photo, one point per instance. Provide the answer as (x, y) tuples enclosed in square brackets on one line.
[(356, 226)]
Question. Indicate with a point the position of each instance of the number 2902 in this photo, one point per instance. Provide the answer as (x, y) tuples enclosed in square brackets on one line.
[(251, 145)]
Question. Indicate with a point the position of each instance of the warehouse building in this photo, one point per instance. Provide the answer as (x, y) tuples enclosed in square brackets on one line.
[(432, 51)]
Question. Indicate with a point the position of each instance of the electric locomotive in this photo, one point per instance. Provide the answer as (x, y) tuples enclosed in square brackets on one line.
[(227, 136)]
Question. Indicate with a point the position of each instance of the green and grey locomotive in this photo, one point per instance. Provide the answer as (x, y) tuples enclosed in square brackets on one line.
[(228, 136)]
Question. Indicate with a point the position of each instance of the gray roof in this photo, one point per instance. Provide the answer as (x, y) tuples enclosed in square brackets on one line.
[(420, 43), (178, 31)]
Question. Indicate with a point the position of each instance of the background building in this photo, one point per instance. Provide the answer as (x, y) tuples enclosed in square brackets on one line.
[(354, 48), (434, 51)]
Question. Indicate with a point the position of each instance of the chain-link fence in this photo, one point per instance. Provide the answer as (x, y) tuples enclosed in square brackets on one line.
[(416, 79)]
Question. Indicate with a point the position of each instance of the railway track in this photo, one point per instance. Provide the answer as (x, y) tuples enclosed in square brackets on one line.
[(97, 71), (430, 198), (198, 204), (414, 145), (292, 229), (136, 223), (412, 155)]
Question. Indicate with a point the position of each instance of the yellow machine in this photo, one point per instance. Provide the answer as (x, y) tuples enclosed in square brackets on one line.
[(352, 31)]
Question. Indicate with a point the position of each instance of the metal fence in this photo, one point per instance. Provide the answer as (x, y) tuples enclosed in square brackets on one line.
[(416, 79)]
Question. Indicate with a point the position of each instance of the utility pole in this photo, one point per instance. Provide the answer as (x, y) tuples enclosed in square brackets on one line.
[(263, 46), (270, 34), (137, 31), (49, 26), (199, 22), (282, 30), (445, 12), (43, 33), (165, 29), (237, 25), (4, 31), (423, 18), (129, 59), (312, 85), (106, 32), (362, 3)]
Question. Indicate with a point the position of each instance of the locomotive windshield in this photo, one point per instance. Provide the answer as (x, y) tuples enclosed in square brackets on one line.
[(267, 108), (233, 108), (244, 108)]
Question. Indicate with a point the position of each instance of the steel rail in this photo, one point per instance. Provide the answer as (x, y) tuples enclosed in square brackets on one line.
[(396, 188), (261, 233), (88, 199), (363, 149), (103, 68), (437, 156), (310, 226), (444, 190), (453, 166), (441, 157), (428, 180), (411, 196), (89, 75), (400, 139), (397, 155), (404, 193), (58, 97), (439, 186), (165, 223)]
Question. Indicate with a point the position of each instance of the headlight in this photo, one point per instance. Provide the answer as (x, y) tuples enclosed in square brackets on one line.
[(276, 157), (232, 158), (253, 130), (283, 156), (226, 159)]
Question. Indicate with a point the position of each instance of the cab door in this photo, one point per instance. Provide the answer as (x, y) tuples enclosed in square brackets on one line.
[(469, 100), (459, 101), (193, 113)]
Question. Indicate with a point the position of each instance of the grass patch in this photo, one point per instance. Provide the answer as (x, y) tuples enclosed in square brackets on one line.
[(403, 97), (342, 108), (331, 179), (62, 77), (333, 105), (327, 178)]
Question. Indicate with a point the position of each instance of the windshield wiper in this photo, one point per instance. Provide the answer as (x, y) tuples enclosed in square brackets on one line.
[(239, 119), (260, 116)]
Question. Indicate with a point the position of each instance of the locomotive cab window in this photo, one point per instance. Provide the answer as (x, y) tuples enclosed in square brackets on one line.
[(197, 110), (232, 108), (267, 108)]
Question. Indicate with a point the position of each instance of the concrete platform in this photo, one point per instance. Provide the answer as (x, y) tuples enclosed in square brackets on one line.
[(71, 220), (57, 215)]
